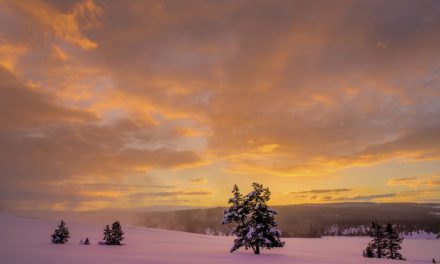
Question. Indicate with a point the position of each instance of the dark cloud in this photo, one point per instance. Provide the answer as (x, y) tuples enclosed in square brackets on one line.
[(366, 197), (175, 193), (314, 195), (319, 191), (423, 140), (339, 198), (198, 180)]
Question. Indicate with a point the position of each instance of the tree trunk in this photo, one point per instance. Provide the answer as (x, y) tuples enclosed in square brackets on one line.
[(257, 249)]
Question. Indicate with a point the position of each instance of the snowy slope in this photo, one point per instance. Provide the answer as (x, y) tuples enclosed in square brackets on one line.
[(28, 241)]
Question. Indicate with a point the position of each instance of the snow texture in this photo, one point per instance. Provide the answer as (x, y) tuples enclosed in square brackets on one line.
[(28, 241)]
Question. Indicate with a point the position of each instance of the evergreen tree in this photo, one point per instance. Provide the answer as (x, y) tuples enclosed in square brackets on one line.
[(114, 235), (117, 234), (255, 222), (87, 241), (61, 235), (238, 211), (376, 247), (369, 251), (393, 240), (107, 235), (378, 242), (385, 243)]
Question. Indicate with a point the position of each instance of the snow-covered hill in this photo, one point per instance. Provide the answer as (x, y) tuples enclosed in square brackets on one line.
[(25, 241)]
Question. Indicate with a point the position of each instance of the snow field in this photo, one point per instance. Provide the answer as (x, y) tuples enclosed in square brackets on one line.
[(26, 240)]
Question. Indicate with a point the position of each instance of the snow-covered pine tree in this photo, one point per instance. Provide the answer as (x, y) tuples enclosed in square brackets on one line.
[(107, 235), (263, 232), (393, 240), (237, 213), (117, 235), (61, 235), (255, 222)]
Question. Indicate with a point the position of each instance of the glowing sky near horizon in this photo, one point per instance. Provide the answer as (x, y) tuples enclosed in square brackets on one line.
[(126, 104)]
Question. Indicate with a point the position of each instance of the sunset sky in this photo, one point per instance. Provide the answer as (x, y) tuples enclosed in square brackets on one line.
[(127, 104)]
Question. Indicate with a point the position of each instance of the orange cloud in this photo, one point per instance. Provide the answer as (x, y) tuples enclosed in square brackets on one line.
[(59, 53), (119, 91), (66, 26), (10, 54), (417, 181)]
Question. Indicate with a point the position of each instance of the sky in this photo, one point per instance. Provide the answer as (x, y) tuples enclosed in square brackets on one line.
[(128, 104)]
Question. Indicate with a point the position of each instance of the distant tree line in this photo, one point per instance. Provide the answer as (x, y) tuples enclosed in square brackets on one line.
[(307, 220)]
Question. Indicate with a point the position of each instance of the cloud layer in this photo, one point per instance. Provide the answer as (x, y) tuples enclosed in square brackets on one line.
[(147, 94)]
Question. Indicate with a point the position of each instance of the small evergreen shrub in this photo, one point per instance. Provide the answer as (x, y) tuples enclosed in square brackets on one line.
[(113, 235), (61, 235)]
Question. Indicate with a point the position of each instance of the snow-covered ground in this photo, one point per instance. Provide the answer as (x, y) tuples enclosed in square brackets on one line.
[(24, 241)]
